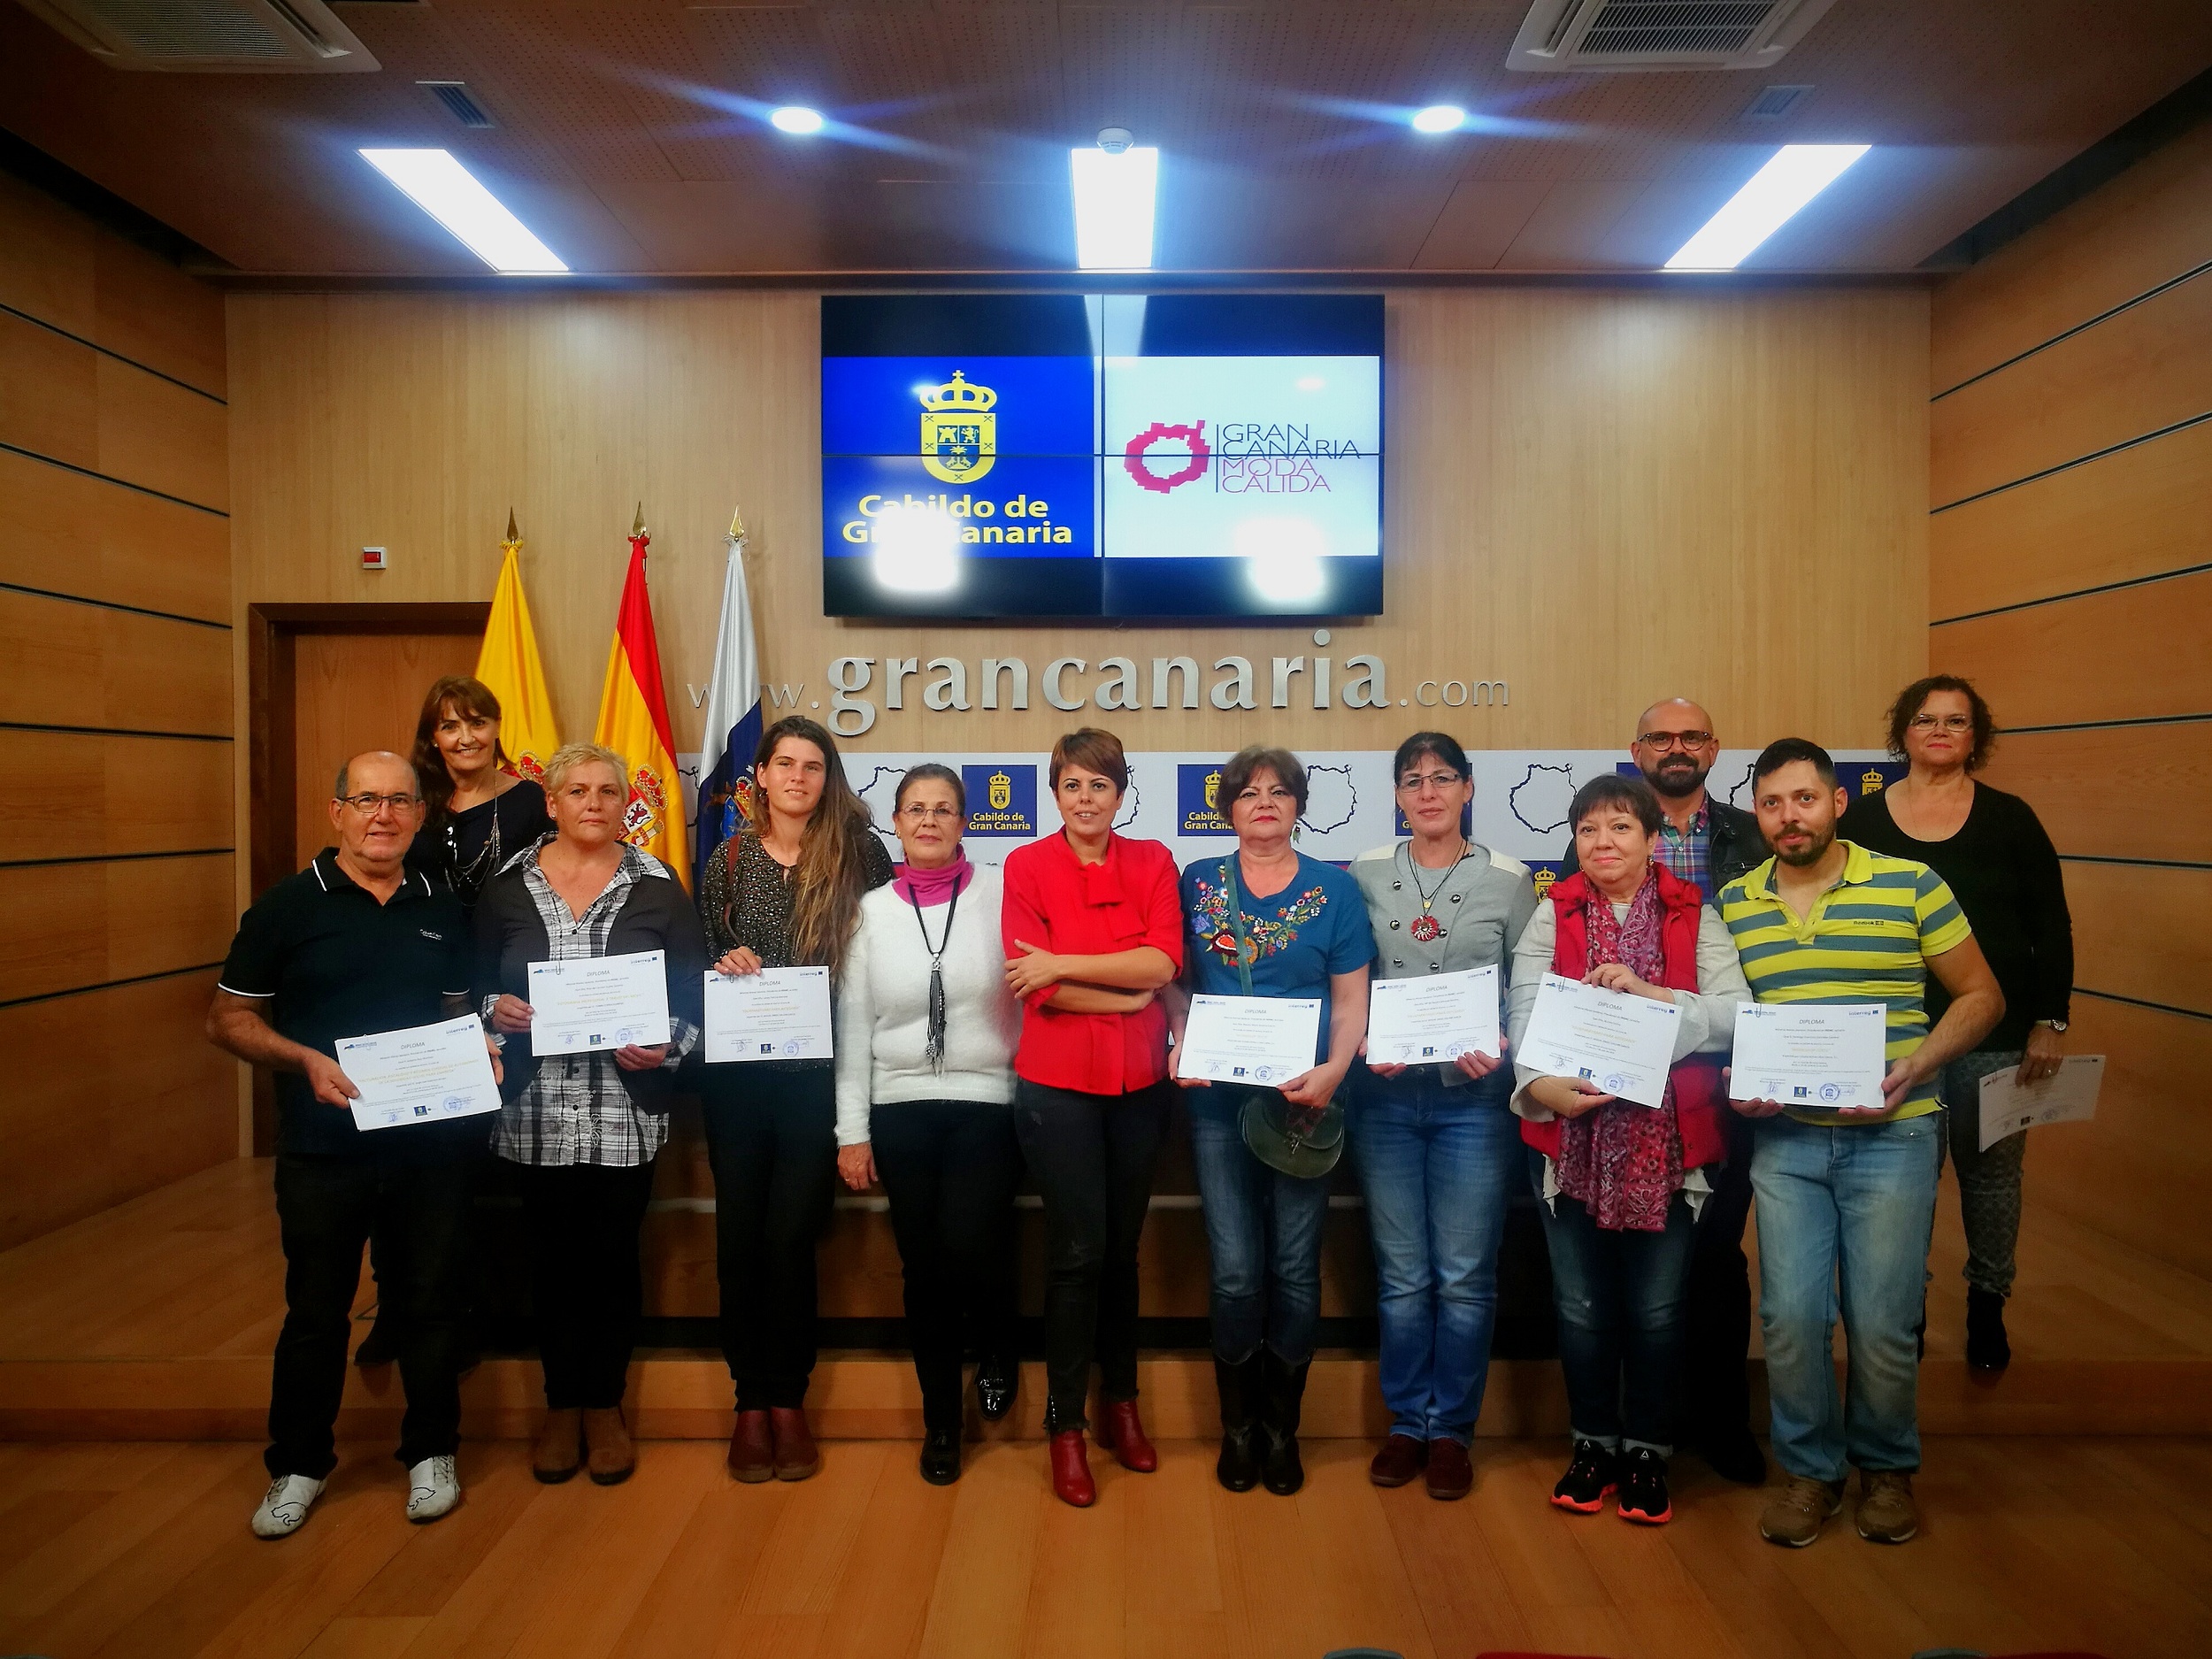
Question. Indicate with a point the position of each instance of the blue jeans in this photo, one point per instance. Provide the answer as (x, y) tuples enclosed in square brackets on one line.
[(1619, 1295), (1438, 1165), (1855, 1202), (1263, 1232)]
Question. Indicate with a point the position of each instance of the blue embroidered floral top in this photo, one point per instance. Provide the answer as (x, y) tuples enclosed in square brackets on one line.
[(1296, 939)]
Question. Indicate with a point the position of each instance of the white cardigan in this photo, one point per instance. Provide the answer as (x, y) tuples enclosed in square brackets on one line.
[(883, 1007)]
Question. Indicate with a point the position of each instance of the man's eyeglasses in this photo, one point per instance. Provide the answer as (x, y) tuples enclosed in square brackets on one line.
[(1659, 742), (939, 814), (370, 805), (1943, 723), (1414, 783)]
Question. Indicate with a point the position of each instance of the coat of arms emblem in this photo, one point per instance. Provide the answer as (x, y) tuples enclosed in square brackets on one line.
[(959, 432), (1002, 792)]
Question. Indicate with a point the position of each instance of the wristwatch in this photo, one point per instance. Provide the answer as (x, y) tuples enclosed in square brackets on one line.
[(2056, 1025)]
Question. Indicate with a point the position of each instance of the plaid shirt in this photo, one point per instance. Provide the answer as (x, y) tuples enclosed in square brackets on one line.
[(1687, 857), (576, 1110)]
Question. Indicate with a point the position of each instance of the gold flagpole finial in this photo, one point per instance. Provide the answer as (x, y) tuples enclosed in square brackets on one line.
[(637, 525), (512, 540), (737, 526)]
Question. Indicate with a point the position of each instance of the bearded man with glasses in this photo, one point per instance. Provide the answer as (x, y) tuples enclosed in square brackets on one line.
[(1709, 844), (352, 945)]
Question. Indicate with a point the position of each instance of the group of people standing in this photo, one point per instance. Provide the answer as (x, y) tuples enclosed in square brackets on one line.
[(992, 1020)]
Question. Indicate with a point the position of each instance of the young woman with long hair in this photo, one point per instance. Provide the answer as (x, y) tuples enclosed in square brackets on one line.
[(783, 892)]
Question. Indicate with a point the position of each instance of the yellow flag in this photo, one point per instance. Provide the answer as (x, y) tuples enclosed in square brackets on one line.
[(634, 723), (509, 664)]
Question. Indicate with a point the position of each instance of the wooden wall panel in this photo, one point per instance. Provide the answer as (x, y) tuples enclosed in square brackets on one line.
[(73, 664), (2139, 1170), (49, 261), (152, 313), (2116, 792), (2138, 512), (156, 434), (89, 924), (2144, 369), (2145, 227), (49, 398), (2143, 932), (1548, 447), (2124, 655), (63, 532), (92, 795), (110, 1094)]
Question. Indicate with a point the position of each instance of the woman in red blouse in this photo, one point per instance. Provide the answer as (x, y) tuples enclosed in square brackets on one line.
[(1093, 931)]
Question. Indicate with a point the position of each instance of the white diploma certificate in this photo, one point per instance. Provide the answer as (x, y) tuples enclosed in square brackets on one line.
[(599, 1003), (1822, 1057), (2071, 1096), (1433, 1019), (1265, 1041), (419, 1075), (776, 1014), (1613, 1039)]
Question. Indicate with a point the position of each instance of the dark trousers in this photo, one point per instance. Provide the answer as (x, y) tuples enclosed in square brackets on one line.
[(1716, 1304), (1091, 1158), (771, 1137), (328, 1209), (948, 1168), (1620, 1296), (583, 1222)]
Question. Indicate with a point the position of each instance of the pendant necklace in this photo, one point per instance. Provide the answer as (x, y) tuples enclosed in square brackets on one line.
[(1425, 927)]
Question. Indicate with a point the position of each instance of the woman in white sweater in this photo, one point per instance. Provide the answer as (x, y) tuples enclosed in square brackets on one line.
[(925, 1036)]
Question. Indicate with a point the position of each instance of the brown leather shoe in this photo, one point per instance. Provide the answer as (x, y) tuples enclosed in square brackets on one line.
[(1450, 1473), (752, 1449), (796, 1455), (609, 1452), (1399, 1460), (560, 1449)]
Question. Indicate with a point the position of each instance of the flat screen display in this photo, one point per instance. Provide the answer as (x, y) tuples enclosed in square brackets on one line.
[(1101, 455)]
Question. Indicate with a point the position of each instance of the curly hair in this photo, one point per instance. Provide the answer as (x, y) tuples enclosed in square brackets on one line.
[(1914, 697)]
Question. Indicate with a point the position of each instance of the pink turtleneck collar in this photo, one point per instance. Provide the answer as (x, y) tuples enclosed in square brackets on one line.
[(928, 887)]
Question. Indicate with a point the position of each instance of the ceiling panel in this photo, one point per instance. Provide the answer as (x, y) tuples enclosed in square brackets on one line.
[(631, 133)]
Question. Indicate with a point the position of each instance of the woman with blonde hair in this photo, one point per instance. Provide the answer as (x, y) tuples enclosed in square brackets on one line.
[(783, 892)]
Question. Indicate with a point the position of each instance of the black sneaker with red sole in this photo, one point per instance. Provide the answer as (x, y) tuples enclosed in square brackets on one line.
[(1643, 1490), (1590, 1479)]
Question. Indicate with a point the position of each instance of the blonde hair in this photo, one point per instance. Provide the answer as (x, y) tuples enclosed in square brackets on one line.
[(569, 757)]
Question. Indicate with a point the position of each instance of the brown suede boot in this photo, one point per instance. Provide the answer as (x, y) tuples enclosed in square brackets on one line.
[(607, 1449), (560, 1447), (796, 1455)]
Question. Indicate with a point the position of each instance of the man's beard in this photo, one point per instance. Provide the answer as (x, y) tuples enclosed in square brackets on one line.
[(1676, 777), (1812, 852)]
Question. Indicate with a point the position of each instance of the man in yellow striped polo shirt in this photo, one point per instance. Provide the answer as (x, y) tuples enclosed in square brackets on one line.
[(1848, 1193)]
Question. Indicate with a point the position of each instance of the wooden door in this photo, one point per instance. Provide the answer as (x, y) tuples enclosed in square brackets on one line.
[(355, 689)]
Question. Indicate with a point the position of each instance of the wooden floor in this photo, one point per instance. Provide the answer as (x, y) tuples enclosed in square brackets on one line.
[(156, 1320), (142, 1551)]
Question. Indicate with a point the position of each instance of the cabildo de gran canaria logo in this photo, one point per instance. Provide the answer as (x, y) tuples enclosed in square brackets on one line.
[(959, 432)]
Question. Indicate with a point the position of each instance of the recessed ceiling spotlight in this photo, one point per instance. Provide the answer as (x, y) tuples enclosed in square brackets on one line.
[(797, 119), (1439, 117)]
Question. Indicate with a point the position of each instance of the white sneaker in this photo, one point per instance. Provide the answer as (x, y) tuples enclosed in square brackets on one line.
[(284, 1507), (433, 1488)]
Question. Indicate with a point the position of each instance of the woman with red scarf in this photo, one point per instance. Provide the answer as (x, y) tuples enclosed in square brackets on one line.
[(1621, 1184)]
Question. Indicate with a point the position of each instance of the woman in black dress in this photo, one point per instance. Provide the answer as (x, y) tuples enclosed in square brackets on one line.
[(1993, 851), (783, 892), (478, 812)]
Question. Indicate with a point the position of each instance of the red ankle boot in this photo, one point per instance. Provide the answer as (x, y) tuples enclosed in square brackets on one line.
[(1120, 1433), (1071, 1481)]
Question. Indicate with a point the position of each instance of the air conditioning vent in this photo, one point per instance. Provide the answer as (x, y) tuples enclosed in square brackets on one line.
[(273, 36), (1775, 102), (455, 95), (1645, 35)]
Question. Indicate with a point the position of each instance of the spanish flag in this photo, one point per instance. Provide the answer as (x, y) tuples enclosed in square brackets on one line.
[(634, 722), (509, 666)]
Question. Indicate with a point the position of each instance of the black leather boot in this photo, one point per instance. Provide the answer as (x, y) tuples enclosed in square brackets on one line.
[(1239, 1468), (1283, 1397)]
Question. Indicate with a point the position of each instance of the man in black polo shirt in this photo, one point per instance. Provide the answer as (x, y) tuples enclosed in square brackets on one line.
[(353, 944)]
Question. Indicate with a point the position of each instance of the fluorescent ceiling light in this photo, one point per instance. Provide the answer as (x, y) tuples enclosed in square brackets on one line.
[(1113, 207), (450, 194), (1794, 175), (1439, 117), (796, 118)]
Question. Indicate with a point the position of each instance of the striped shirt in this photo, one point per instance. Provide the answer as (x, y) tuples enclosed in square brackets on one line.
[(1867, 939)]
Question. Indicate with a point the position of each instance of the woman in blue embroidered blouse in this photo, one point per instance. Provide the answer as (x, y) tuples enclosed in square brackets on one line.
[(1305, 934)]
